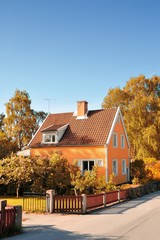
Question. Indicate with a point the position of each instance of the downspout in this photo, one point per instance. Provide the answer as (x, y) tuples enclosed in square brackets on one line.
[(106, 158), (129, 165)]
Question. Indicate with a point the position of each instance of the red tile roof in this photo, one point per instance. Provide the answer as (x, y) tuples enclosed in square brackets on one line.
[(53, 127), (91, 131)]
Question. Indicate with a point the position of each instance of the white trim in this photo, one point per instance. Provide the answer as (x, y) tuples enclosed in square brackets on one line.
[(82, 117), (37, 131), (113, 125), (125, 130), (106, 157), (49, 134)]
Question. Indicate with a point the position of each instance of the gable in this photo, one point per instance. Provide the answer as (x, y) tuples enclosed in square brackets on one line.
[(118, 118)]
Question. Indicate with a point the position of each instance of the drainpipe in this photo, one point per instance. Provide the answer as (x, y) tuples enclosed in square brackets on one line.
[(106, 157)]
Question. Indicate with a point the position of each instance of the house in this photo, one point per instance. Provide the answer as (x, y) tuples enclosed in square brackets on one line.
[(96, 137)]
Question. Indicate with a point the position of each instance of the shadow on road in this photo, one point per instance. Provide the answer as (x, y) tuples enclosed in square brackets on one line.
[(120, 208), (49, 232)]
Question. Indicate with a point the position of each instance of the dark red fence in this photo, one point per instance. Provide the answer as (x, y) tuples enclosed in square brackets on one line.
[(123, 194), (111, 197), (67, 204), (7, 220), (94, 201), (85, 203)]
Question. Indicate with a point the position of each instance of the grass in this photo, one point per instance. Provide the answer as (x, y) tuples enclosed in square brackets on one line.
[(12, 200), (29, 205)]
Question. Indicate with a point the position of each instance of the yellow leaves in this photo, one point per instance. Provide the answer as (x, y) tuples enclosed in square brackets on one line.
[(20, 121), (140, 105)]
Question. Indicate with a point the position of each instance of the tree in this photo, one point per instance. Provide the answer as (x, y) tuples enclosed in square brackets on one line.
[(40, 116), (19, 122), (6, 145), (16, 171), (2, 116), (140, 105), (86, 182), (52, 172)]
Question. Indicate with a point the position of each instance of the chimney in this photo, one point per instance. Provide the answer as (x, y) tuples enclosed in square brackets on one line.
[(82, 109)]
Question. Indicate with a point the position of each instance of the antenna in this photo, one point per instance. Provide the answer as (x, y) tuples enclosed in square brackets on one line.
[(49, 100)]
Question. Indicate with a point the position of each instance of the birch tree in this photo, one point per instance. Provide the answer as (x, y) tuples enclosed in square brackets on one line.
[(20, 121), (140, 104)]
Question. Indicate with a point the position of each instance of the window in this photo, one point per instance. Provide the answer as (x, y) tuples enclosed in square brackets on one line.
[(49, 138), (118, 119), (115, 167), (122, 141), (88, 164), (115, 140), (123, 166)]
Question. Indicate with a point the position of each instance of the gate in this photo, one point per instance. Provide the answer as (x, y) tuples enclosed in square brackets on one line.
[(67, 204), (35, 202)]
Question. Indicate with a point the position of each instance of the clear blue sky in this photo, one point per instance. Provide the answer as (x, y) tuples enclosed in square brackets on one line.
[(71, 50)]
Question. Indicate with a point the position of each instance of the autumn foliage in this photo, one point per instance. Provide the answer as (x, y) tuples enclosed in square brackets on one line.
[(140, 105), (145, 170)]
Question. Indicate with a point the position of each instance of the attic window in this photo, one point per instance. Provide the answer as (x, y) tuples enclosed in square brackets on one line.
[(49, 138), (118, 119)]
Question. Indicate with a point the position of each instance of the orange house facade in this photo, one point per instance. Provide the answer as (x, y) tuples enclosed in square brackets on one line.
[(92, 138)]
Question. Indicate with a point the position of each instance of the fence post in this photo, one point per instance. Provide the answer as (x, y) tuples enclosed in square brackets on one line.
[(104, 199), (50, 203), (119, 197), (84, 203), (18, 217), (3, 204)]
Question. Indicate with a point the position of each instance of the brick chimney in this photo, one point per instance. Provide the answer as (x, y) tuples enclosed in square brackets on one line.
[(82, 109)]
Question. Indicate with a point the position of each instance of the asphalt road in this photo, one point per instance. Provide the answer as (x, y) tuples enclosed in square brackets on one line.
[(138, 219)]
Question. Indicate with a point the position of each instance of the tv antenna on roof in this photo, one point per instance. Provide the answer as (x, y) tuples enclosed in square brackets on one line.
[(49, 100)]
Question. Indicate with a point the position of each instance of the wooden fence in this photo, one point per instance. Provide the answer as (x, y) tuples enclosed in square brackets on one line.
[(94, 201), (112, 197), (85, 203), (10, 218), (67, 204), (35, 202)]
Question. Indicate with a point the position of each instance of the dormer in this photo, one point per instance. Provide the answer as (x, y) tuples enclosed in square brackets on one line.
[(53, 133)]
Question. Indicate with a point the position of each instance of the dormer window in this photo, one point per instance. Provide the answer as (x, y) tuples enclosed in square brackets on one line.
[(53, 133), (49, 138)]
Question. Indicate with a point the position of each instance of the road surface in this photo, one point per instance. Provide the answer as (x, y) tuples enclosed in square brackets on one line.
[(138, 219)]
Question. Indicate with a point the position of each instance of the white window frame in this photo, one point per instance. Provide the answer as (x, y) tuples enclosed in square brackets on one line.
[(115, 171), (97, 162), (124, 168), (122, 141), (51, 135), (115, 140)]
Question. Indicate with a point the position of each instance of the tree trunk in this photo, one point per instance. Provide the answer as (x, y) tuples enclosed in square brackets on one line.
[(75, 192), (17, 191)]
